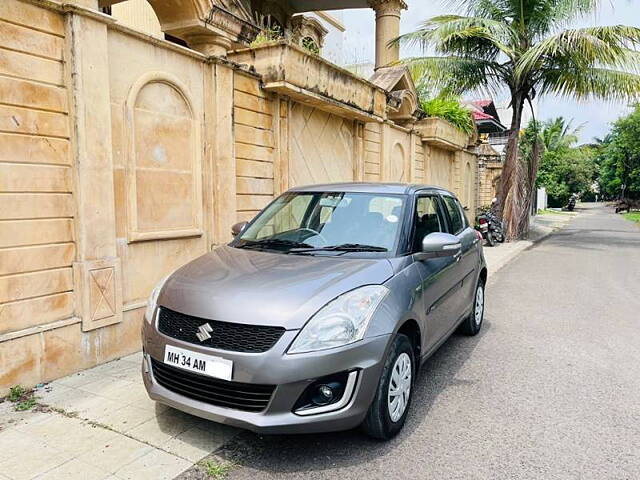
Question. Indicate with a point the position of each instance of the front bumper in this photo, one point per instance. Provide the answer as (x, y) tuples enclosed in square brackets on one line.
[(290, 373)]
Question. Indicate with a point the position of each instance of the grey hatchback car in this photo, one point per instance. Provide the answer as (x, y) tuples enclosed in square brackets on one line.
[(319, 313)]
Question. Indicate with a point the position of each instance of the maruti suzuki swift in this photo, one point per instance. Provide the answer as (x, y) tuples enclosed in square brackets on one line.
[(319, 313)]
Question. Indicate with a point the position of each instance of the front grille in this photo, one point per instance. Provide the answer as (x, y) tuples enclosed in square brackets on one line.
[(247, 397), (235, 337)]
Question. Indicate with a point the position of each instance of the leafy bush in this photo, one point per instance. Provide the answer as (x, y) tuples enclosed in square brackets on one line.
[(450, 109)]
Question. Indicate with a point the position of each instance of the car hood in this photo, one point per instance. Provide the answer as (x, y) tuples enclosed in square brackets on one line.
[(263, 288)]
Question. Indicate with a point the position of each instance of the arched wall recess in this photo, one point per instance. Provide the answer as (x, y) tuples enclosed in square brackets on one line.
[(164, 164)]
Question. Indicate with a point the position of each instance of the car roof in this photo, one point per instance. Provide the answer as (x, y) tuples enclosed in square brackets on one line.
[(369, 187)]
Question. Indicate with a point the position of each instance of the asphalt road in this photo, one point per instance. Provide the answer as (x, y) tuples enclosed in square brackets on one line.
[(549, 390)]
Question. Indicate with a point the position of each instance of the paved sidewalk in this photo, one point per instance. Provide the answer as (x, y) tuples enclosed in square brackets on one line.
[(102, 425), (541, 226)]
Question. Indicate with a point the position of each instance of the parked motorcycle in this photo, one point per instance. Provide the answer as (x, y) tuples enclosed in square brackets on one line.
[(572, 203), (491, 227)]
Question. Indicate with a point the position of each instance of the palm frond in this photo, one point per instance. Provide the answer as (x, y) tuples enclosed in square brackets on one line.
[(543, 16), (462, 35), (611, 46), (603, 83), (456, 75)]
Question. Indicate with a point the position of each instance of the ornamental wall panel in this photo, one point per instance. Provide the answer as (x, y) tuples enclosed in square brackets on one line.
[(322, 147), (163, 169)]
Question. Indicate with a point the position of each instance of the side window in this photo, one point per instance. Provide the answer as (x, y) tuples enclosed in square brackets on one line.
[(454, 210), (427, 220)]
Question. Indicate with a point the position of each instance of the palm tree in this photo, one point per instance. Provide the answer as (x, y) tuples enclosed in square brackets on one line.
[(523, 46), (558, 134)]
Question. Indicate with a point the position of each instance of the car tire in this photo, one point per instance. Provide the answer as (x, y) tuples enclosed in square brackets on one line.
[(383, 421), (473, 323)]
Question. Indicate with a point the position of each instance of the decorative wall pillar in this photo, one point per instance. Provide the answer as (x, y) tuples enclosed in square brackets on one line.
[(385, 152), (281, 115), (220, 152), (412, 156), (97, 267), (358, 151), (387, 28)]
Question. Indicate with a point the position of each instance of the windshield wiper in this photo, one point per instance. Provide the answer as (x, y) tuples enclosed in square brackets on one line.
[(274, 242), (345, 247)]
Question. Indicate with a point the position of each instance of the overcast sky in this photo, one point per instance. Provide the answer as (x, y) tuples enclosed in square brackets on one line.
[(360, 45)]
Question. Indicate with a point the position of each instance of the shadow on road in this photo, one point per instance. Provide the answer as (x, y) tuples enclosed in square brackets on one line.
[(279, 454)]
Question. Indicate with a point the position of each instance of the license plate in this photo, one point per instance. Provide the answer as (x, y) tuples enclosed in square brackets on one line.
[(198, 363)]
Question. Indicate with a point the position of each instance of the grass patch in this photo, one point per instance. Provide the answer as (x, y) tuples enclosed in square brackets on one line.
[(16, 392), (23, 398), (552, 212), (217, 471), (633, 216), (27, 404)]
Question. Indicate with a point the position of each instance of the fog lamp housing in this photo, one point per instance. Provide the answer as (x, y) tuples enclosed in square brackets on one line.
[(327, 394)]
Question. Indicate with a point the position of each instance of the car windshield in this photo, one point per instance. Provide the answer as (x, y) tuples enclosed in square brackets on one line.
[(341, 222)]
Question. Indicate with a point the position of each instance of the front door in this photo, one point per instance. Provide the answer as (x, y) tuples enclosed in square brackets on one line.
[(440, 276)]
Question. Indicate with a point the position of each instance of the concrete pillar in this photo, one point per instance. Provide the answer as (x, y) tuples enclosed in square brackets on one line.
[(387, 29)]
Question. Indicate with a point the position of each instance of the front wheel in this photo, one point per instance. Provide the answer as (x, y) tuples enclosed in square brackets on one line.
[(473, 323), (387, 413), (490, 240)]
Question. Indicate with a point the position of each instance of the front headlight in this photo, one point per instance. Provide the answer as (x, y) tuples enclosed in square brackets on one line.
[(342, 321), (153, 300)]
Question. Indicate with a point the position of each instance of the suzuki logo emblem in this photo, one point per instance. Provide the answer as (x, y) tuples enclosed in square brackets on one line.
[(203, 332)]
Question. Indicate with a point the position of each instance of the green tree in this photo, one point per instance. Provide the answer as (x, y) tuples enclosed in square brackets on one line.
[(619, 159), (564, 168), (523, 46), (564, 172)]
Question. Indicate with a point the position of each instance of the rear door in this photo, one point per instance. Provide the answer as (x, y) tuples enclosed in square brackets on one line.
[(467, 261), (440, 279)]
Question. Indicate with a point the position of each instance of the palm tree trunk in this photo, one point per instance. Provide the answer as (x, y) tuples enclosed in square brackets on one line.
[(529, 185), (510, 201)]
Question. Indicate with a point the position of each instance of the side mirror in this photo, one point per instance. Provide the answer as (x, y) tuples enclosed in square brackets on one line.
[(238, 228), (438, 245)]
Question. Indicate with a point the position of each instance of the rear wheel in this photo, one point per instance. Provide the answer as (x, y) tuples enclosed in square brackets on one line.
[(473, 323), (387, 413), (490, 240)]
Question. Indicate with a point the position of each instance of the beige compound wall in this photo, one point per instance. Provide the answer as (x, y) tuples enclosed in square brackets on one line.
[(123, 157)]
